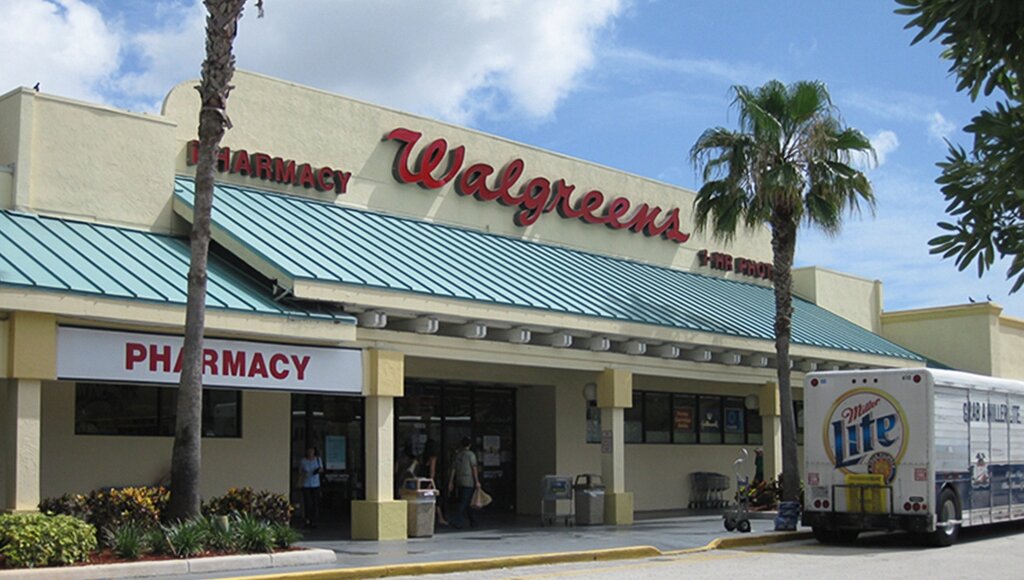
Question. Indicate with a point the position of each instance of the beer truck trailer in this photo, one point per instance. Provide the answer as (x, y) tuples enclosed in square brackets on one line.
[(923, 450)]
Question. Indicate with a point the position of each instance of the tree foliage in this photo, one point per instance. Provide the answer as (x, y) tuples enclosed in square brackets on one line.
[(984, 187), (789, 163)]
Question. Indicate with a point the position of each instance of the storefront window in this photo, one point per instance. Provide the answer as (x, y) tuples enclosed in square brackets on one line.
[(593, 422), (135, 410), (684, 418), (635, 419), (657, 417), (710, 419), (754, 431), (734, 421)]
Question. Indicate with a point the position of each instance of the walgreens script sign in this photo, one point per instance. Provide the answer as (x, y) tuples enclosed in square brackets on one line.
[(88, 354)]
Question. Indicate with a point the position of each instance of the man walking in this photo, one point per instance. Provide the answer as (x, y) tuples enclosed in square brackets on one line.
[(467, 477)]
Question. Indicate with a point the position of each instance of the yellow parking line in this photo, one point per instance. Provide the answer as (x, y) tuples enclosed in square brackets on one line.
[(682, 558)]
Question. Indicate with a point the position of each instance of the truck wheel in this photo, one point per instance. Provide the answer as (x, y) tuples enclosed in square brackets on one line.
[(730, 524), (743, 526), (824, 535), (947, 526), (846, 536)]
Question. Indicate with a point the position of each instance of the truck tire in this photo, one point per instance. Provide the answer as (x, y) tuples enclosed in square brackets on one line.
[(945, 534)]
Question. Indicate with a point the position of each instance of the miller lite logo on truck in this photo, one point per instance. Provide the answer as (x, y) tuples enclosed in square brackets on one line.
[(922, 450), (866, 432)]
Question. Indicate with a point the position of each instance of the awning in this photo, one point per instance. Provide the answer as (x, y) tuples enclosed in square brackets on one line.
[(305, 244), (51, 254)]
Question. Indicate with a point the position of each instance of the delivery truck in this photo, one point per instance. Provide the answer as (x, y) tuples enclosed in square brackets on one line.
[(922, 450)]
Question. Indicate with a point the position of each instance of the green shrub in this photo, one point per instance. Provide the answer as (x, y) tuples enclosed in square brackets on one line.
[(156, 541), (112, 508), (252, 535), (219, 535), (284, 535), (75, 505), (129, 540), (264, 505), (30, 540), (186, 539)]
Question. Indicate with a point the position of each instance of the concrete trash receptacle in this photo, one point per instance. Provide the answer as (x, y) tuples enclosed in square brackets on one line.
[(589, 496), (419, 494)]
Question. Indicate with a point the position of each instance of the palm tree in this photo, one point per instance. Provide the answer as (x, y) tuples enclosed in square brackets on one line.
[(218, 68), (790, 162)]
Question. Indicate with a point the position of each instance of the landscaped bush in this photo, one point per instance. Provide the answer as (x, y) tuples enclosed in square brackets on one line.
[(263, 505), (109, 509), (252, 534), (30, 540), (128, 541), (219, 536), (186, 539), (284, 535)]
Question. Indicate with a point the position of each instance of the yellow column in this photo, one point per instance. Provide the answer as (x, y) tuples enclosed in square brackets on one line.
[(22, 410), (771, 426), (614, 395), (31, 359), (380, 516)]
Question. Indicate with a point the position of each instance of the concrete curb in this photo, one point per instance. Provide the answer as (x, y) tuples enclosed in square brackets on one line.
[(631, 553), (163, 568)]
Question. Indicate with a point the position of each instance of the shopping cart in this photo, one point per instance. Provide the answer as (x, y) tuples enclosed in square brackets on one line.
[(555, 488), (738, 517), (707, 489)]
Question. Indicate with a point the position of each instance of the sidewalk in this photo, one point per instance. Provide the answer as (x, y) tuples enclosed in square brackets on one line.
[(499, 542)]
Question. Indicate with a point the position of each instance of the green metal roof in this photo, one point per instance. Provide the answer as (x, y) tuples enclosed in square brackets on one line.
[(326, 242), (85, 258)]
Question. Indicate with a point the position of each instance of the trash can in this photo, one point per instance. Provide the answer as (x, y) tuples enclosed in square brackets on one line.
[(589, 491), (419, 494)]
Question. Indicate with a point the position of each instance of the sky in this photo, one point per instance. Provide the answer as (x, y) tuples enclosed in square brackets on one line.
[(630, 84)]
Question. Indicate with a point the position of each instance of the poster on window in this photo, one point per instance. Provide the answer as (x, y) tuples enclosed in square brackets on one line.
[(335, 452), (733, 420), (683, 419), (492, 450)]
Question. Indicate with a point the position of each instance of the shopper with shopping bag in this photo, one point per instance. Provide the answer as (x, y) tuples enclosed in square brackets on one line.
[(466, 477)]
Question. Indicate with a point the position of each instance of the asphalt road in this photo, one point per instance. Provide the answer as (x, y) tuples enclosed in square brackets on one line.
[(996, 551)]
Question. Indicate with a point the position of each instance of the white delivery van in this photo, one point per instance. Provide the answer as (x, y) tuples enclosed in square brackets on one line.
[(922, 450)]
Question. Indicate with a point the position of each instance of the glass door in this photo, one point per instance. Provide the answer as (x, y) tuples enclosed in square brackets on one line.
[(334, 426)]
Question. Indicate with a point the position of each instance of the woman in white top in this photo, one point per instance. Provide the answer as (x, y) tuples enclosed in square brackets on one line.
[(310, 468)]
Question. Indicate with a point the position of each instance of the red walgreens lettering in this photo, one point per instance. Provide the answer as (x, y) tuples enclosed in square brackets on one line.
[(537, 196)]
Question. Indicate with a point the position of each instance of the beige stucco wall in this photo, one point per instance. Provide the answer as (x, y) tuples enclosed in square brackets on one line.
[(962, 337), (1011, 348), (309, 125), (14, 107), (80, 463), (856, 299), (98, 163)]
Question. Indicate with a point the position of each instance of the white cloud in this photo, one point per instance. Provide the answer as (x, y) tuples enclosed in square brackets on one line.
[(884, 143), (905, 107), (939, 127), (454, 59), (731, 72), (64, 45)]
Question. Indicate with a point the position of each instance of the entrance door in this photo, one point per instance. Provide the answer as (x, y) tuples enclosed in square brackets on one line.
[(334, 426), (446, 414)]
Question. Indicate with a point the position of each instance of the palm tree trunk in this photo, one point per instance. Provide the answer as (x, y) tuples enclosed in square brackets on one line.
[(218, 68), (783, 249)]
